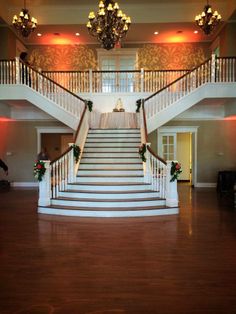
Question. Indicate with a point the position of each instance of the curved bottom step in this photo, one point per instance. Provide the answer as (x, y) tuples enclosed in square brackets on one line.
[(114, 213)]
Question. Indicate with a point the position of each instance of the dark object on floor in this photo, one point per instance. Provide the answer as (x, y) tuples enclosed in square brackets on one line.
[(4, 185)]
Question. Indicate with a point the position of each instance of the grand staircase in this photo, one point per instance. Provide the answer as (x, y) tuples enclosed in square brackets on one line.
[(110, 180)]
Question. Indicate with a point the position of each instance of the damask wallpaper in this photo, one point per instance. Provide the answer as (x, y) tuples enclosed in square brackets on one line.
[(172, 56), (63, 58)]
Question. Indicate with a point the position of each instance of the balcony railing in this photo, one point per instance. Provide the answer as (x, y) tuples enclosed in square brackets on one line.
[(114, 81)]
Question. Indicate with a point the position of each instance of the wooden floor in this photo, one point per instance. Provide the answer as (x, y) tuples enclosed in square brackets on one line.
[(177, 265)]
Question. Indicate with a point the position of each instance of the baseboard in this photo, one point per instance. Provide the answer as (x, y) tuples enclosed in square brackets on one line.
[(205, 185), (24, 184)]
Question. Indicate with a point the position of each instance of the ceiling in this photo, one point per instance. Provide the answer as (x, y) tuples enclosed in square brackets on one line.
[(59, 20)]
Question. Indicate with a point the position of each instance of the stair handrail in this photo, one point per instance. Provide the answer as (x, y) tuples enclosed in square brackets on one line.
[(155, 168), (214, 69)]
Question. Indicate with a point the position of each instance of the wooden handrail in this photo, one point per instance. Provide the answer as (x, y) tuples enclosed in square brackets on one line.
[(80, 123), (178, 79), (64, 153), (146, 136), (50, 80)]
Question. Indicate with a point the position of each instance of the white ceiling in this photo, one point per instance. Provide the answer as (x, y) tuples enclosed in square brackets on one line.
[(67, 17)]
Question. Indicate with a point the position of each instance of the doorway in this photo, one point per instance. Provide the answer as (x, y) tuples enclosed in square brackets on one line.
[(180, 143)]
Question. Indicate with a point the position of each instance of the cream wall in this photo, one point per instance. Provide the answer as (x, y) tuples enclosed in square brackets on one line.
[(216, 149), (18, 148)]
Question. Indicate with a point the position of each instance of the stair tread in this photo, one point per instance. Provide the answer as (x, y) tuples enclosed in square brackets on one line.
[(110, 192), (111, 163), (97, 200), (110, 176), (109, 169), (109, 209), (109, 183)]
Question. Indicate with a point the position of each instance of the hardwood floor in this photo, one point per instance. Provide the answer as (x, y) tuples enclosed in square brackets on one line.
[(174, 264)]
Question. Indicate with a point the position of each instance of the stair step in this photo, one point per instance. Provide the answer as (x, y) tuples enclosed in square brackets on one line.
[(111, 160), (104, 203), (109, 172), (108, 213), (107, 166), (109, 187), (112, 144), (100, 180), (108, 195), (111, 154), (113, 139), (115, 132), (113, 149)]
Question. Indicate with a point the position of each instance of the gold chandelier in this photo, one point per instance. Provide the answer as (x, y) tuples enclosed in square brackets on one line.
[(24, 23), (208, 20), (109, 24)]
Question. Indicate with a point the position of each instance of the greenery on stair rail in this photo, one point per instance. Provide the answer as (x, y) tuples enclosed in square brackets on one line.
[(138, 104), (76, 152), (39, 169), (175, 170), (89, 104), (142, 151)]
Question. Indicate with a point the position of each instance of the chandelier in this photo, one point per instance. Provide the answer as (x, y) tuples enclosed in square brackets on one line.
[(208, 20), (24, 23), (109, 24)]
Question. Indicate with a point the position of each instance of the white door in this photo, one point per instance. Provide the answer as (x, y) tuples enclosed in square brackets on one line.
[(167, 146)]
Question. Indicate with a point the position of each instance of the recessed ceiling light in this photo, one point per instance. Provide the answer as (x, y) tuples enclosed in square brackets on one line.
[(39, 34), (179, 32), (77, 34), (156, 33), (56, 34), (195, 32)]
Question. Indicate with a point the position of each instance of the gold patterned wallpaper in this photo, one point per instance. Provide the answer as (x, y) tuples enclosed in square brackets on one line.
[(63, 58), (171, 56), (150, 56)]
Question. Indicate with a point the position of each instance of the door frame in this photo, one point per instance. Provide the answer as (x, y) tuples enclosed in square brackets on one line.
[(183, 129)]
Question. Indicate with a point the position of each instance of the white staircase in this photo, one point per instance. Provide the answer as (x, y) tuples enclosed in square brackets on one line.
[(110, 180)]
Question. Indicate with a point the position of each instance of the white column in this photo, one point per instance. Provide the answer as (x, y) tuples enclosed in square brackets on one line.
[(142, 80), (213, 68), (172, 199), (45, 186), (90, 80), (17, 70)]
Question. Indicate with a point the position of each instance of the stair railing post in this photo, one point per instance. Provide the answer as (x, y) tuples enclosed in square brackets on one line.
[(40, 81), (213, 68), (141, 80), (17, 70), (90, 80), (172, 199), (45, 186)]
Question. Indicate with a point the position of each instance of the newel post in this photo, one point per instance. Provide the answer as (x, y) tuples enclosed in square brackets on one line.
[(45, 186), (141, 80), (172, 199), (71, 164)]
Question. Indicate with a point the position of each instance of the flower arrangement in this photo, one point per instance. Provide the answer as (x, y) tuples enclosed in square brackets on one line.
[(175, 170), (138, 104), (89, 103), (76, 152), (142, 151), (39, 170)]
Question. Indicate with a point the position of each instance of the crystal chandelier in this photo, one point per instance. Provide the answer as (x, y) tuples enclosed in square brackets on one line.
[(208, 20), (24, 23), (109, 24)]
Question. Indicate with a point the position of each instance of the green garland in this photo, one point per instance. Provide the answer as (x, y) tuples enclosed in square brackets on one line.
[(175, 170), (89, 103), (76, 152), (138, 104), (142, 151), (39, 170)]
